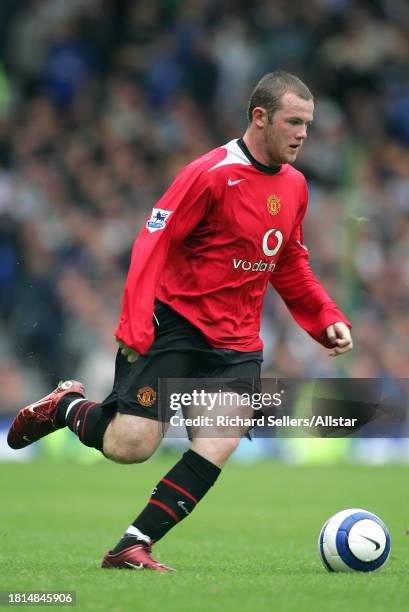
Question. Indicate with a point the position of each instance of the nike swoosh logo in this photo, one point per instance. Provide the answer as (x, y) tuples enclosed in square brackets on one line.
[(137, 566), (377, 545), (26, 439), (36, 404), (230, 182), (182, 505)]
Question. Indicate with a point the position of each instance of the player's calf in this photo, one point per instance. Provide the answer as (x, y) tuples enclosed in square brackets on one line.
[(216, 450)]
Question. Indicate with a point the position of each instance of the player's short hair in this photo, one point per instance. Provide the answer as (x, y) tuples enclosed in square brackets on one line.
[(270, 89)]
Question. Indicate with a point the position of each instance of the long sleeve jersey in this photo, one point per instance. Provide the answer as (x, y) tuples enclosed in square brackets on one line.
[(225, 228)]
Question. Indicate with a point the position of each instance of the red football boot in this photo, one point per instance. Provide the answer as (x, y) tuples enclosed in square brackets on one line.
[(38, 419), (134, 557)]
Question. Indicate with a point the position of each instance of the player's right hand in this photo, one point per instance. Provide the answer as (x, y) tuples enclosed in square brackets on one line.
[(340, 337), (127, 351)]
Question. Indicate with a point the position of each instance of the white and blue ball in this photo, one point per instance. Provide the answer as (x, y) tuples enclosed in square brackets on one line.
[(354, 540)]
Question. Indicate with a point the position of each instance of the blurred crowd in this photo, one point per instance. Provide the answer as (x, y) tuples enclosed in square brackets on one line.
[(103, 101)]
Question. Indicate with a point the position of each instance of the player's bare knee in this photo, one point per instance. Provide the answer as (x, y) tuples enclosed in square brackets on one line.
[(129, 454), (131, 439)]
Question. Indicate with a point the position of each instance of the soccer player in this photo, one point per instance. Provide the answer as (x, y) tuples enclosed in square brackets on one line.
[(230, 223)]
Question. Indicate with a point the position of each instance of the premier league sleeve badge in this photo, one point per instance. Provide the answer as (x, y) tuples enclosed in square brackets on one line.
[(157, 220)]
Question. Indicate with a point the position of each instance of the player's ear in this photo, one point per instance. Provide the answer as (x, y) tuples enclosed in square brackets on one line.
[(260, 116)]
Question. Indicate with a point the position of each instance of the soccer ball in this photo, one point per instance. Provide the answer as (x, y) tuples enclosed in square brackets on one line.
[(354, 540)]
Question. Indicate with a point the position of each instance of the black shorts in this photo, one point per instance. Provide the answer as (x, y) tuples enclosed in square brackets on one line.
[(179, 351)]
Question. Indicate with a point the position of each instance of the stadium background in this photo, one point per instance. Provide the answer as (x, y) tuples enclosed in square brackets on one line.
[(102, 102)]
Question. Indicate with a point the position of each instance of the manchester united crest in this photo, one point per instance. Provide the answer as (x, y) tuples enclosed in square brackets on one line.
[(273, 204), (146, 397)]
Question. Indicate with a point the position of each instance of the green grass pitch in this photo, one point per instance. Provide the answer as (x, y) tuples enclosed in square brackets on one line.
[(251, 545)]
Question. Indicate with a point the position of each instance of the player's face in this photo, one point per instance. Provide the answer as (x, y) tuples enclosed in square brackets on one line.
[(285, 133)]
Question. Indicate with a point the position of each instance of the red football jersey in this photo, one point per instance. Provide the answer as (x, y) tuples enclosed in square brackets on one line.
[(225, 228)]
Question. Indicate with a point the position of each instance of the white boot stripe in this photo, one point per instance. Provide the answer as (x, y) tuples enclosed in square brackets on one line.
[(72, 404)]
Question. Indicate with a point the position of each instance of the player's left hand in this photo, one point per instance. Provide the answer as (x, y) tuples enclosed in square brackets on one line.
[(340, 337), (127, 351)]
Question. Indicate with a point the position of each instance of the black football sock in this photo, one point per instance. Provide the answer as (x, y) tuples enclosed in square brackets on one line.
[(172, 500), (88, 420)]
